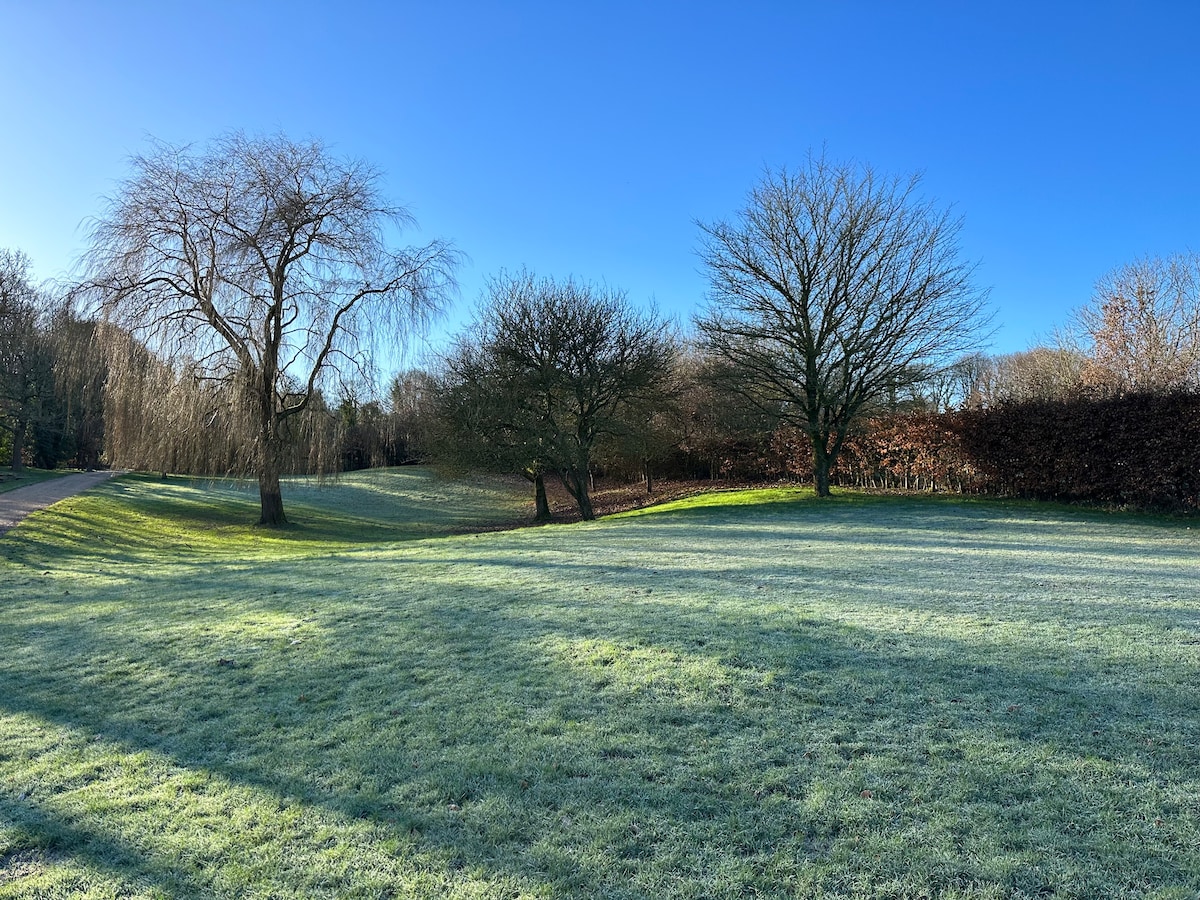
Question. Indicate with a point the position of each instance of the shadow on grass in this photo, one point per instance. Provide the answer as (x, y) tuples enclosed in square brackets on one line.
[(637, 726), (52, 837), (124, 519)]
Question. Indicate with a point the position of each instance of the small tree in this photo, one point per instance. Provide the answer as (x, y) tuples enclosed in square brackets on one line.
[(548, 369), (835, 289), (265, 266)]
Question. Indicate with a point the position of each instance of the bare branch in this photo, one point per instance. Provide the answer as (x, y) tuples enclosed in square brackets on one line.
[(265, 257), (834, 289)]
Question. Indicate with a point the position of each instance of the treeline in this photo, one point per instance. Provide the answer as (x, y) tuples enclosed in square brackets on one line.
[(559, 378), (1049, 423), (51, 380), (81, 393)]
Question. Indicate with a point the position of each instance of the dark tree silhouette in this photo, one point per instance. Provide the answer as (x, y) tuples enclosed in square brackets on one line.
[(546, 370), (835, 289)]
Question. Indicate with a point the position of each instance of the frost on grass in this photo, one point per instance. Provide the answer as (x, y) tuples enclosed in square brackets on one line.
[(860, 698)]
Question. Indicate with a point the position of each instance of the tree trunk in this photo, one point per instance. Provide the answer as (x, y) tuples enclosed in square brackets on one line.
[(584, 501), (18, 446), (270, 497), (576, 483), (649, 481), (542, 504), (821, 466)]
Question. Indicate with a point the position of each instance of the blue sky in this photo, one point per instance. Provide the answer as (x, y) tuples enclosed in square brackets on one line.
[(587, 138)]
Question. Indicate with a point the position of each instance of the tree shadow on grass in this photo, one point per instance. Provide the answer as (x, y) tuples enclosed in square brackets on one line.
[(693, 733), (44, 836)]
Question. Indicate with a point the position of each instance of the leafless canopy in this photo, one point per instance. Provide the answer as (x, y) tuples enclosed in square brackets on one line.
[(547, 369), (1143, 325), (265, 264), (1036, 374), (835, 288)]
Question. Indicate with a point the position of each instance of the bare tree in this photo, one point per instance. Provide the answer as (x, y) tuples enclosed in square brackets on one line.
[(549, 368), (1143, 325), (1036, 374), (265, 265), (411, 410), (833, 290)]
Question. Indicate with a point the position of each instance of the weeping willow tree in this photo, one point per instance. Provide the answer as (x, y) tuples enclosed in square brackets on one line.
[(80, 375), (168, 415), (260, 271), (26, 356)]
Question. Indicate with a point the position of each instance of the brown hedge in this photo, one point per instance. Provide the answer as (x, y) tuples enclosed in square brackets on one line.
[(1139, 450)]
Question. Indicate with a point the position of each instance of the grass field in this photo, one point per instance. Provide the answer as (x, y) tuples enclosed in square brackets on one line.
[(747, 695)]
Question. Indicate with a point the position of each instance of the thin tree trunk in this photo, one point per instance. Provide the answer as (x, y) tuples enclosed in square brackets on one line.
[(542, 504), (18, 446)]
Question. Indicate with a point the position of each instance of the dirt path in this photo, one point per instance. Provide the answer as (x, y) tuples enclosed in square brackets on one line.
[(16, 505)]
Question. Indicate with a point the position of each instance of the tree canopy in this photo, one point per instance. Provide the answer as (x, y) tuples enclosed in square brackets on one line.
[(266, 266), (546, 370), (1143, 326), (833, 289)]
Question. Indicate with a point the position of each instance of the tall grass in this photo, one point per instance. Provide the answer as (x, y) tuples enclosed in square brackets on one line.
[(756, 695)]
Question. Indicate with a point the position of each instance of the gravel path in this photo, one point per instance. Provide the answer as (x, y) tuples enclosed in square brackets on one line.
[(16, 505)]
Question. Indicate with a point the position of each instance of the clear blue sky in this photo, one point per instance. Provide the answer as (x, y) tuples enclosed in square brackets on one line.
[(587, 138)]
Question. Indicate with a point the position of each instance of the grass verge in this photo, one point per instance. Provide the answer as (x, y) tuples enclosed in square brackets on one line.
[(10, 480), (761, 695)]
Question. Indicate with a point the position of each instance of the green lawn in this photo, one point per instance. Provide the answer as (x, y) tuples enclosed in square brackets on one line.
[(748, 695), (10, 480)]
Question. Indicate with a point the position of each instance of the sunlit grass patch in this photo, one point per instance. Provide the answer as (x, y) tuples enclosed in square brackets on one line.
[(871, 697), (191, 516), (747, 497)]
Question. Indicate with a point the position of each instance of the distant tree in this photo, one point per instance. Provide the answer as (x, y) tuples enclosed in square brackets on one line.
[(653, 433), (834, 289), (81, 375), (723, 436), (262, 265), (367, 433), (1143, 324), (26, 357), (1037, 374), (547, 370), (412, 409)]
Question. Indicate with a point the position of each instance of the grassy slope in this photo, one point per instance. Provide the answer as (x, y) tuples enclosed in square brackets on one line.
[(878, 698), (10, 480)]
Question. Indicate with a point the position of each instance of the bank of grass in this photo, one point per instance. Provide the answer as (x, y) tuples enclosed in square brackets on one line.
[(145, 513), (10, 480), (748, 695)]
